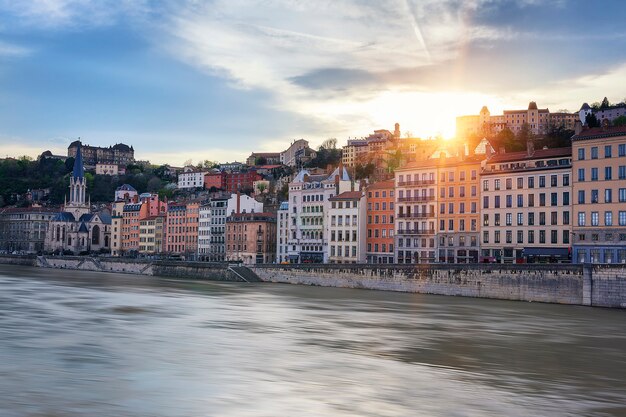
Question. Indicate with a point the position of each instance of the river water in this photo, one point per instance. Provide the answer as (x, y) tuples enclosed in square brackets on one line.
[(93, 344)]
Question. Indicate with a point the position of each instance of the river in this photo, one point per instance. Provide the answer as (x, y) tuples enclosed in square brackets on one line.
[(76, 343)]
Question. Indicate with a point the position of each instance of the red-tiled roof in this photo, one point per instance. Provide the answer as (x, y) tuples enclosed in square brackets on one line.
[(538, 154), (381, 184), (601, 132)]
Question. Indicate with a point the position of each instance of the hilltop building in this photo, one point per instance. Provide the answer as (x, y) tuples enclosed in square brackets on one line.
[(118, 154)]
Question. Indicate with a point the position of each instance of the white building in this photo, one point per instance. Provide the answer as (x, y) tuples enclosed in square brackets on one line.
[(346, 228), (125, 192), (191, 178), (110, 169), (308, 203), (212, 223), (282, 231)]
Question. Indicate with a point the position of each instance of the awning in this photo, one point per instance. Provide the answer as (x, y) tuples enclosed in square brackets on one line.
[(564, 252)]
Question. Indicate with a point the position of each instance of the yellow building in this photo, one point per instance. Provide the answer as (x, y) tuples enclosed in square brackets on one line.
[(599, 192), (151, 230)]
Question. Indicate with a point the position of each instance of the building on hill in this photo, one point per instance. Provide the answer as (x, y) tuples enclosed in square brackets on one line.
[(119, 154), (263, 158), (538, 120), (297, 154), (191, 177), (125, 192), (110, 169), (76, 229)]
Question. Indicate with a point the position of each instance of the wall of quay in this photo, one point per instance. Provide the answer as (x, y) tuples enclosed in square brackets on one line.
[(598, 285), (591, 285)]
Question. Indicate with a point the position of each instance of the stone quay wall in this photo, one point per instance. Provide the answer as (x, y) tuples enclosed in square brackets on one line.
[(597, 285)]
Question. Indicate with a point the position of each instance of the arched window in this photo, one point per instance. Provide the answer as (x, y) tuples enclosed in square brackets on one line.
[(106, 241), (95, 235)]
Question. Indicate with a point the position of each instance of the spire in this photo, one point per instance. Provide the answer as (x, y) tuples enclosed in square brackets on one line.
[(79, 169)]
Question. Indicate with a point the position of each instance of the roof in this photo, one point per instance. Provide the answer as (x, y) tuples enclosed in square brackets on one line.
[(122, 147), (132, 207), (29, 210), (600, 132), (265, 153), (267, 166), (83, 227), (125, 187), (79, 169), (585, 106), (381, 185), (347, 195), (64, 216), (284, 205), (538, 154), (344, 174)]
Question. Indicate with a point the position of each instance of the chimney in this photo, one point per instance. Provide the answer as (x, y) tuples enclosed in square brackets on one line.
[(530, 147), (578, 127), (396, 132)]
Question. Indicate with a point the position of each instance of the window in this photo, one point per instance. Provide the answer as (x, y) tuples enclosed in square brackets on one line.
[(608, 195), (542, 181), (496, 236), (520, 236), (485, 237), (581, 174), (451, 192), (622, 172), (473, 191), (509, 200), (509, 183), (565, 180), (581, 218), (554, 218), (622, 218), (566, 198), (621, 149), (531, 236), (496, 219), (485, 185), (581, 196), (608, 150), (594, 174), (531, 219), (608, 218), (595, 218), (486, 200), (520, 219), (594, 152), (520, 183), (565, 236), (531, 200), (520, 200), (542, 218), (566, 217), (542, 236), (581, 154), (542, 199), (608, 173), (554, 237), (485, 220), (622, 195), (553, 181), (509, 236), (497, 184), (594, 196), (496, 203), (509, 219)]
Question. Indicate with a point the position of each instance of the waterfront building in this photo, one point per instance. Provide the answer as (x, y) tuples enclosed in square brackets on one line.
[(458, 208), (212, 223), (24, 229), (380, 212), (119, 154), (345, 218), (191, 177), (538, 120), (127, 217), (76, 229), (416, 217), (151, 233), (282, 230), (251, 238), (182, 229), (599, 193), (308, 203), (526, 206)]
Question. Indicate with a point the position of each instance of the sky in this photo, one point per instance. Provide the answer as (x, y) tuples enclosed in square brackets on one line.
[(218, 79)]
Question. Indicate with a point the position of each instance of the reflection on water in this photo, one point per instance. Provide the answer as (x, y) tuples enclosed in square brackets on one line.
[(90, 344)]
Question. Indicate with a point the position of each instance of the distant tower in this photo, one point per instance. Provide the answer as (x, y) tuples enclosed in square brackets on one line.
[(396, 132), (78, 188)]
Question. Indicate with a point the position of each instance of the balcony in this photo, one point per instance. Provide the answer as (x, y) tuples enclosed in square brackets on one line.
[(419, 199), (415, 183), (427, 232), (416, 215)]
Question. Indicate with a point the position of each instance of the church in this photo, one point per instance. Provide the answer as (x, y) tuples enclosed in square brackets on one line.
[(76, 229)]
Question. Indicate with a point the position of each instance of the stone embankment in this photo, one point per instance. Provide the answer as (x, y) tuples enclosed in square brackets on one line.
[(597, 285), (589, 285)]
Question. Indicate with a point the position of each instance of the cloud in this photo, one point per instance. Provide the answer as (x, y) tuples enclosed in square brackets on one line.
[(12, 50)]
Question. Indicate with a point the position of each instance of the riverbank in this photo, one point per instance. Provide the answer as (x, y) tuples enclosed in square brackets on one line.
[(587, 285)]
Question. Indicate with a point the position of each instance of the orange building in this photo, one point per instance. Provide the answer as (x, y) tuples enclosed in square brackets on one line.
[(215, 179), (139, 208), (380, 218), (182, 229)]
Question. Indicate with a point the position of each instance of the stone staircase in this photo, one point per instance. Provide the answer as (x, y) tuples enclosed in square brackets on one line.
[(244, 273)]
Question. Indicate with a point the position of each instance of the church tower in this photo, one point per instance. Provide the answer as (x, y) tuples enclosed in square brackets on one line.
[(78, 188)]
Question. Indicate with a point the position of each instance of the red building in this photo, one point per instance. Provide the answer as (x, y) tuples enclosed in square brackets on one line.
[(239, 181), (215, 179), (380, 222)]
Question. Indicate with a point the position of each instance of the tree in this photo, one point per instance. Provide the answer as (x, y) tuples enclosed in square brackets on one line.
[(619, 121), (364, 171), (330, 143), (188, 162), (605, 104), (154, 184), (595, 105), (260, 161), (592, 121)]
